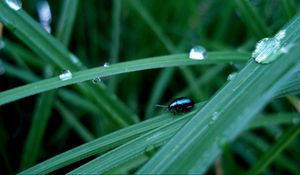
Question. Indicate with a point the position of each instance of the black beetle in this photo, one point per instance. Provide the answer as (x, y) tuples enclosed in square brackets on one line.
[(181, 105)]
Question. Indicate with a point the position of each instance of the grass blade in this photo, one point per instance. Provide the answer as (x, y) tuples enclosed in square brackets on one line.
[(97, 146), (33, 145), (125, 67)]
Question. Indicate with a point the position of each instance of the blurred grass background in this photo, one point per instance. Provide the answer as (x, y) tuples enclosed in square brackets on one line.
[(118, 31)]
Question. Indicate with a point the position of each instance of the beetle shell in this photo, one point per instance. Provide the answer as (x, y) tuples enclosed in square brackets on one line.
[(181, 105)]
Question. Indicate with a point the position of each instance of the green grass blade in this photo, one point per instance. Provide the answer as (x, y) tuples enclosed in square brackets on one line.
[(275, 150), (125, 67), (97, 146), (66, 21), (33, 142), (251, 18), (134, 148), (199, 142)]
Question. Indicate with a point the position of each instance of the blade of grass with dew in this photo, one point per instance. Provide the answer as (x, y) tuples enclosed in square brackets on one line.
[(66, 95), (68, 116), (134, 148), (75, 99), (32, 146), (97, 146), (251, 18), (199, 142), (36, 38), (275, 150), (125, 67), (66, 21)]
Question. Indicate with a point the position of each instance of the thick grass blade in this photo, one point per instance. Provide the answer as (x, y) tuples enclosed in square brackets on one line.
[(97, 146), (199, 142), (125, 67), (134, 148), (33, 142)]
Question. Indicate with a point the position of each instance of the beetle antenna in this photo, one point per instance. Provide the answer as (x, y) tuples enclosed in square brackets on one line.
[(161, 106)]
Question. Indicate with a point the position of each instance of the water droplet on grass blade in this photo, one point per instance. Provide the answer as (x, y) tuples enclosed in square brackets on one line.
[(197, 53), (65, 75), (14, 4), (232, 76), (268, 49), (106, 64), (215, 116), (96, 80)]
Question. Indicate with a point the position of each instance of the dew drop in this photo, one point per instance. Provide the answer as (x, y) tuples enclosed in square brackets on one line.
[(215, 116), (96, 80), (197, 53), (280, 35), (232, 76), (14, 4), (66, 75), (106, 64), (268, 49)]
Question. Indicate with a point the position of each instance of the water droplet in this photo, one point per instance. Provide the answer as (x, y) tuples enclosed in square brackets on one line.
[(96, 80), (215, 116), (66, 75), (106, 64), (296, 120), (232, 76), (197, 53), (268, 49), (280, 35), (14, 4)]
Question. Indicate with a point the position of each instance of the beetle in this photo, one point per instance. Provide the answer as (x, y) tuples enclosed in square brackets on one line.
[(180, 105)]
